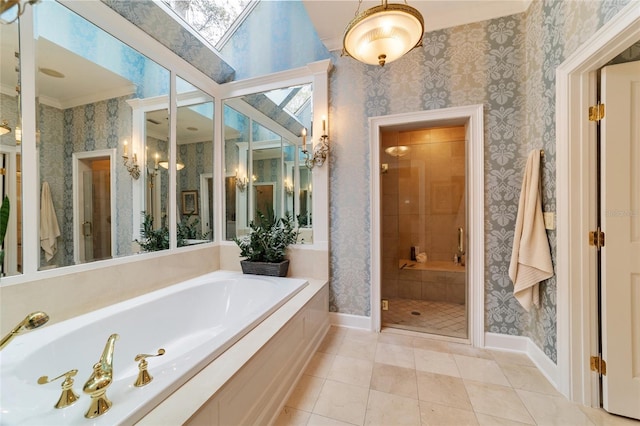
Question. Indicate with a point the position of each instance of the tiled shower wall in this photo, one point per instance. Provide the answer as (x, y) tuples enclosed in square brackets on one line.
[(423, 205)]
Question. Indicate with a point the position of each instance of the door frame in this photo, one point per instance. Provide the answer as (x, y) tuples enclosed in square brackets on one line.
[(205, 203), (576, 90), (87, 155), (472, 118)]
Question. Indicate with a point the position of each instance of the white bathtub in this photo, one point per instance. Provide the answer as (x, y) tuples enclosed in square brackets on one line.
[(194, 322)]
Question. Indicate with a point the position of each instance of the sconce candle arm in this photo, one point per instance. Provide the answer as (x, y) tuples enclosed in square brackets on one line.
[(132, 166), (320, 153)]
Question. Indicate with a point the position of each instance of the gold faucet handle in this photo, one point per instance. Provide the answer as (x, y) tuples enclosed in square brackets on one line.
[(141, 357), (144, 378), (68, 396)]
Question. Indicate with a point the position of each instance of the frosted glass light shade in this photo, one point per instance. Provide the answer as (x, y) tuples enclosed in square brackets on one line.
[(383, 33), (165, 165)]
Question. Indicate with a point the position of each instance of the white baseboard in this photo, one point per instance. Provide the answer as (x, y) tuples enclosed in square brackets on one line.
[(351, 321), (524, 345)]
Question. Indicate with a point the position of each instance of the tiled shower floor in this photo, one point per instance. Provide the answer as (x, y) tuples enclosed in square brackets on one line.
[(443, 318)]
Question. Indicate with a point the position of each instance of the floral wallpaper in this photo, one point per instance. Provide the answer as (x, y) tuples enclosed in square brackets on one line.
[(508, 64), (89, 127)]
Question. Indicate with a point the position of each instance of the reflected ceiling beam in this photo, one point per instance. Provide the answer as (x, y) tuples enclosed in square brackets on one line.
[(266, 106), (242, 107)]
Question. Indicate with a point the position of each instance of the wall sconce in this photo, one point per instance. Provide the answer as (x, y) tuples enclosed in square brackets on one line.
[(288, 187), (7, 5), (241, 182), (152, 173), (320, 151), (131, 164)]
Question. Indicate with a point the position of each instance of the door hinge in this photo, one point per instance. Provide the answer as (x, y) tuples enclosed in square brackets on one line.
[(596, 112), (598, 365), (596, 239), (3, 171)]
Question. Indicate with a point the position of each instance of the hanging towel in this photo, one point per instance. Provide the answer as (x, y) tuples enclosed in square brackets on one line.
[(530, 257), (49, 230)]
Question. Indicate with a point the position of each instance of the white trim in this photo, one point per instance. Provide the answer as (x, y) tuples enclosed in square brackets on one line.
[(351, 321), (205, 204), (75, 170), (575, 174), (521, 344), (472, 117)]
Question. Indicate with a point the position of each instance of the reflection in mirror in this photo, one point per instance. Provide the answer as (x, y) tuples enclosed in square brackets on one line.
[(194, 185), (263, 158), (155, 228), (93, 93), (10, 140)]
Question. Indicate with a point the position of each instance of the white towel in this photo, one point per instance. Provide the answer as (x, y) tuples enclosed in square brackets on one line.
[(49, 230), (531, 257)]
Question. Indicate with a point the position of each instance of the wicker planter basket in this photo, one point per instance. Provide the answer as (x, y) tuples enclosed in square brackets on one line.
[(265, 268)]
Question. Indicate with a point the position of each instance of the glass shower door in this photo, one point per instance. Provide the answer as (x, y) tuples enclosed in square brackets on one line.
[(424, 279)]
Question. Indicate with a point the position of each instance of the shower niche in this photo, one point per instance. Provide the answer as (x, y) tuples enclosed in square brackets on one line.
[(424, 222)]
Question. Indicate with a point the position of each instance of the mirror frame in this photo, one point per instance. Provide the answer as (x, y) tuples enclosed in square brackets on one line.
[(316, 73)]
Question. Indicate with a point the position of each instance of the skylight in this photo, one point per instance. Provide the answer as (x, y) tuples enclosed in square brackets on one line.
[(210, 18), (291, 99)]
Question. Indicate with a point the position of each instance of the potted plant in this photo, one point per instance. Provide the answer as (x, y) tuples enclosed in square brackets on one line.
[(265, 247)]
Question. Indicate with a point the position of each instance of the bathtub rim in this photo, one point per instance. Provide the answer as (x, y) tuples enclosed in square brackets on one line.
[(206, 384), (34, 340)]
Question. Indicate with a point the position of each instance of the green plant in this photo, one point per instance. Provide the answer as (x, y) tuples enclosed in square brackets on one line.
[(158, 239), (152, 239), (268, 239), (4, 221), (189, 229)]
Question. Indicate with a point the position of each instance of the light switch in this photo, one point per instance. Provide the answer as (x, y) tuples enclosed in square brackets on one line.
[(549, 220)]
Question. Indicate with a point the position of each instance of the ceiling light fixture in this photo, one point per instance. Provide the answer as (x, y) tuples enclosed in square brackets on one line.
[(397, 151), (51, 72), (4, 127), (383, 33), (165, 165)]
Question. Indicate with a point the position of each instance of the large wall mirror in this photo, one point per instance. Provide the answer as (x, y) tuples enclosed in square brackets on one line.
[(265, 172), (91, 150), (194, 184), (10, 140)]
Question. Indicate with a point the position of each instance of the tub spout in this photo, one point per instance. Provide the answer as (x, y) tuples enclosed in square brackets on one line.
[(102, 376)]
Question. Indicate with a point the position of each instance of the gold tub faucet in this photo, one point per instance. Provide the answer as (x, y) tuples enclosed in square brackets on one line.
[(100, 380)]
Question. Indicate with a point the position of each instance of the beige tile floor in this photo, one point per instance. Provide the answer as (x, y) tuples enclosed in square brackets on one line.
[(363, 378), (443, 318)]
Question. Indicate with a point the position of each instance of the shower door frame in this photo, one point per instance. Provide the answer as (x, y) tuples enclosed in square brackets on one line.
[(472, 118)]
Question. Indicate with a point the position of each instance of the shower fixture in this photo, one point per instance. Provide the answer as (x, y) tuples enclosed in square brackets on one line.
[(31, 321)]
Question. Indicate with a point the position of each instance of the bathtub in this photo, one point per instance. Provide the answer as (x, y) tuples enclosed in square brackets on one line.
[(194, 321)]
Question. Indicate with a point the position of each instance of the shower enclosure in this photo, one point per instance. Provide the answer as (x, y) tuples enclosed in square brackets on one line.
[(424, 279)]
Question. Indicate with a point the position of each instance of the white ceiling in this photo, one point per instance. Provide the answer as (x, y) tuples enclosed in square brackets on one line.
[(331, 17)]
